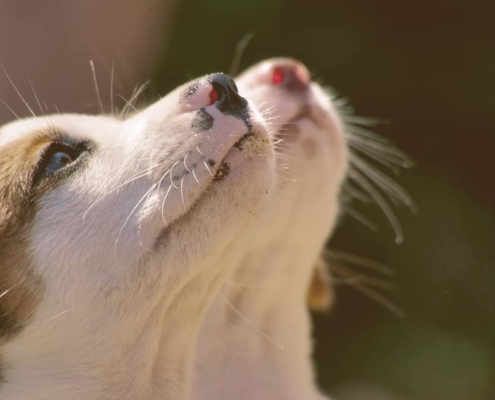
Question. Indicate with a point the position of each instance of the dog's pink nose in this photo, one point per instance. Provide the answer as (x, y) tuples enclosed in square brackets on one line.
[(291, 74)]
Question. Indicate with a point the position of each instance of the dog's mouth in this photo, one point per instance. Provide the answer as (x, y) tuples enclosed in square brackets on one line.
[(223, 169), (220, 171), (248, 142), (242, 141)]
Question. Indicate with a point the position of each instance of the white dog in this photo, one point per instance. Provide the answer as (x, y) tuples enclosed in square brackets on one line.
[(256, 341), (115, 235)]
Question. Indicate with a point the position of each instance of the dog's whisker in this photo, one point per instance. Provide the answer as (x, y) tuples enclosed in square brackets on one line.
[(17, 91), (95, 82)]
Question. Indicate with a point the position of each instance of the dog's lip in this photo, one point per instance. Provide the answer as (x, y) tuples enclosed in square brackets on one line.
[(223, 167), (240, 142)]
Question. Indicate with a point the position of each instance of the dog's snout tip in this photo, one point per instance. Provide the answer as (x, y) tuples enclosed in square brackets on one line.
[(290, 74)]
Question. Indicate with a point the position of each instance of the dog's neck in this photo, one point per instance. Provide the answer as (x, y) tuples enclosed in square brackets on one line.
[(148, 356), (256, 340)]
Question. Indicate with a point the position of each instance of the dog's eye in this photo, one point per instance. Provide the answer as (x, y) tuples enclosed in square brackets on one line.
[(57, 161), (59, 157)]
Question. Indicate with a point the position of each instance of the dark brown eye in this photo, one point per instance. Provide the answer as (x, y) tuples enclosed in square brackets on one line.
[(57, 157)]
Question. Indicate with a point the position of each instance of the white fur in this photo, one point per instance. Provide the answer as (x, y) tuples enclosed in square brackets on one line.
[(256, 342), (120, 313)]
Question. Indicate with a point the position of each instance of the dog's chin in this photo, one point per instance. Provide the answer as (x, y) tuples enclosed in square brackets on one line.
[(251, 157)]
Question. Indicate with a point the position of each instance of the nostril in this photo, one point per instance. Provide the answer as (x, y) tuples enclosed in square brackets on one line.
[(292, 75), (224, 88), (278, 75), (214, 89), (225, 94), (220, 93), (214, 95)]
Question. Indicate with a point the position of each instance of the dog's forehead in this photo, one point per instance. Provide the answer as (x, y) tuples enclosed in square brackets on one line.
[(76, 126)]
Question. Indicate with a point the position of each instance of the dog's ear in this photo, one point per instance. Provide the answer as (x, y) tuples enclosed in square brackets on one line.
[(320, 295)]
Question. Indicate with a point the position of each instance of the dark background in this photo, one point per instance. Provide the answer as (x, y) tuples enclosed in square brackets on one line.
[(428, 68)]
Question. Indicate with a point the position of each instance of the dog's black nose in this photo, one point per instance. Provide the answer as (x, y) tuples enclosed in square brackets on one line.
[(228, 100), (216, 90)]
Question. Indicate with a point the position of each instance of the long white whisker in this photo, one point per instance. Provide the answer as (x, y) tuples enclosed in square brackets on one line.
[(138, 92), (208, 168), (128, 106), (112, 73), (171, 175), (375, 194), (393, 190), (363, 121), (352, 259), (247, 321), (54, 317), (9, 108), (361, 218), (387, 160), (185, 165), (10, 288), (194, 175), (163, 203), (18, 92), (182, 193), (35, 95), (371, 293), (132, 101), (355, 193), (114, 189), (95, 82), (130, 215), (393, 154)]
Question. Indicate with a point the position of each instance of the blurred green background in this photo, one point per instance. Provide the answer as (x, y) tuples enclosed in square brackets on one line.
[(428, 68)]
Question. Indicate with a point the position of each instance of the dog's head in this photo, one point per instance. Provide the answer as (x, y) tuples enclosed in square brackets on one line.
[(103, 221), (312, 160)]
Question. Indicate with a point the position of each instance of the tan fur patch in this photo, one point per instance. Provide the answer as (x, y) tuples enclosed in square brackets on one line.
[(20, 287), (320, 294)]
